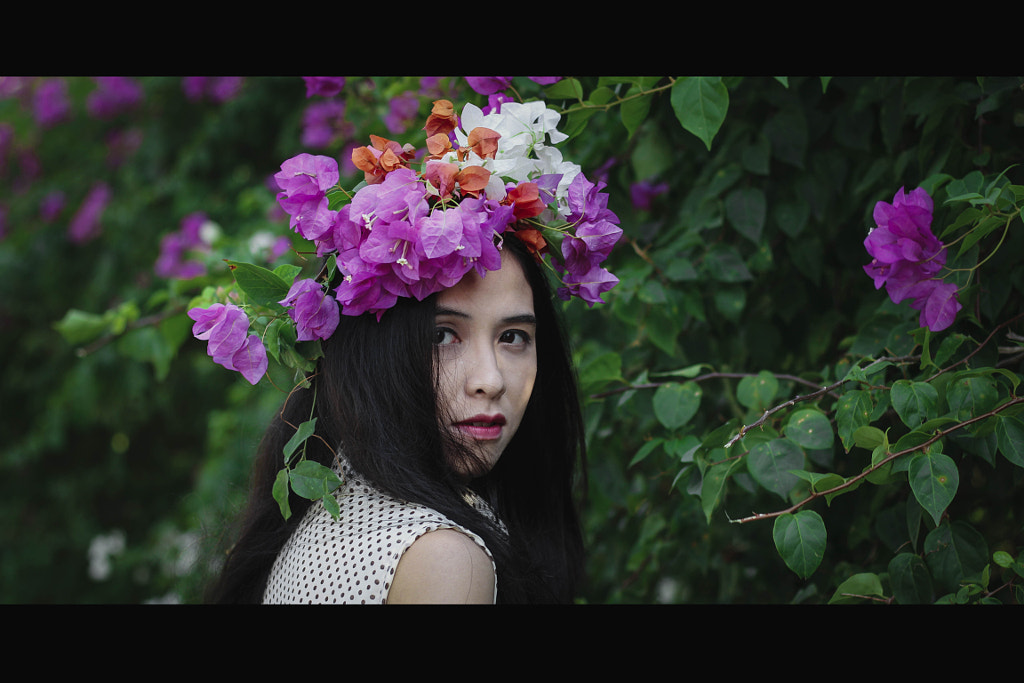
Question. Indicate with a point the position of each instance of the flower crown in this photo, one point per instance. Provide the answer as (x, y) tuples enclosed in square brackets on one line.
[(408, 233)]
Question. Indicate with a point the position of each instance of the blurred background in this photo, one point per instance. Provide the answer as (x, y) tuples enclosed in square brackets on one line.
[(124, 451)]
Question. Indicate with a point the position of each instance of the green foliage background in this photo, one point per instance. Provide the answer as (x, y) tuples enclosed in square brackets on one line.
[(764, 426)]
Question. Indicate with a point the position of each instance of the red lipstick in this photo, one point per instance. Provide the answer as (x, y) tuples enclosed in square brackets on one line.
[(483, 427)]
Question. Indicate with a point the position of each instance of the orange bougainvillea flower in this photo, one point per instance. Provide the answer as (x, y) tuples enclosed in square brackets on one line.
[(473, 179), (484, 142), (533, 239), (442, 176), (438, 145), (383, 157), (442, 118), (525, 200)]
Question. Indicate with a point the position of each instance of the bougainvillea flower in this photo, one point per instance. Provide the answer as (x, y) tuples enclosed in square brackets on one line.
[(587, 202), (442, 119), (323, 86), (907, 258), (250, 360), (588, 286), (307, 175), (525, 200), (488, 85), (591, 245), (85, 224), (483, 142), (380, 158), (314, 311), (223, 326), (937, 302)]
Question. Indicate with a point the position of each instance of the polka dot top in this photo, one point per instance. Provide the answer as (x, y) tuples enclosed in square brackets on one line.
[(352, 560)]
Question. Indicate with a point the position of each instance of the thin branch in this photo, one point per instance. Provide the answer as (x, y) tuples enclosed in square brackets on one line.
[(853, 480)]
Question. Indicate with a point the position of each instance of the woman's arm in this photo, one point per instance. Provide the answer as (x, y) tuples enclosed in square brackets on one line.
[(443, 567)]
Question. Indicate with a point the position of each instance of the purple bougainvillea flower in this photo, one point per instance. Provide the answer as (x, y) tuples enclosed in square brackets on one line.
[(113, 95), (588, 286), (308, 175), (50, 104), (402, 111), (304, 181), (488, 85), (314, 311), (323, 122), (937, 302), (590, 246), (587, 202), (323, 86), (906, 258), (250, 360), (225, 328), (85, 225), (643, 193)]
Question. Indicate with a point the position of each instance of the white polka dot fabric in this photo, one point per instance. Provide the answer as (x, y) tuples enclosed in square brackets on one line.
[(352, 560)]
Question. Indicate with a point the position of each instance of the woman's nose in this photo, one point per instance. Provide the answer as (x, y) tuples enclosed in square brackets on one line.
[(483, 374)]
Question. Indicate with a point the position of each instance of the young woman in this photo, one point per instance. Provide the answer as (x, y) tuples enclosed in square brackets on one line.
[(459, 429), (445, 397)]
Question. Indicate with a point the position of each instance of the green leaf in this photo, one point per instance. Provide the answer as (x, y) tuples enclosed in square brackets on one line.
[(914, 402), (725, 264), (757, 391), (262, 287), (910, 579), (309, 479), (675, 404), (800, 540), (634, 111), (280, 492), (600, 371), (954, 552), (304, 431), (853, 410), (645, 450), (810, 429), (713, 483), (287, 272), (78, 326), (868, 437), (745, 209), (970, 394), (855, 588), (700, 103), (689, 371), (934, 479), (770, 462), (1010, 437), (823, 482), (565, 89)]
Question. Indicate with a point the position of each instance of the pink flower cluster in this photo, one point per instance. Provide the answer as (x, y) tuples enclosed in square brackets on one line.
[(225, 328), (411, 234), (175, 247), (389, 241), (596, 232), (907, 257)]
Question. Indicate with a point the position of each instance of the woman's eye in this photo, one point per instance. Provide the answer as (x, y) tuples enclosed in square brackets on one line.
[(514, 337), (443, 335)]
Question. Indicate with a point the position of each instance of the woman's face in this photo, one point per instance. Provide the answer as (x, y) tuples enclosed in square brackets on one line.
[(485, 331)]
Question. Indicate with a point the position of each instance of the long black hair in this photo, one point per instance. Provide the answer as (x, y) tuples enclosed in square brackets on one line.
[(373, 395)]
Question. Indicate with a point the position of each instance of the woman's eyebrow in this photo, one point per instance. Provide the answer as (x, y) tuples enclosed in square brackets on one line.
[(519, 319)]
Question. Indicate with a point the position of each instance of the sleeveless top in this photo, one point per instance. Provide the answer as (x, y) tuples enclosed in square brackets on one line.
[(352, 560)]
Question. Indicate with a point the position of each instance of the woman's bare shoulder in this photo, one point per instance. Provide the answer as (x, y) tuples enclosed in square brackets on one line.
[(443, 567)]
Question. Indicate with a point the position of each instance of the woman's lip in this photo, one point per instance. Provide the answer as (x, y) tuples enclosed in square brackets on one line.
[(483, 427)]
